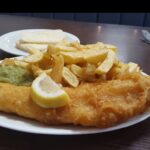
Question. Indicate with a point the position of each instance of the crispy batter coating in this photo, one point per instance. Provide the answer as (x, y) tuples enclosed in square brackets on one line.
[(101, 104)]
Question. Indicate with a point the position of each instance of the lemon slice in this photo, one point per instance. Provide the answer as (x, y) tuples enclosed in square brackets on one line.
[(48, 94)]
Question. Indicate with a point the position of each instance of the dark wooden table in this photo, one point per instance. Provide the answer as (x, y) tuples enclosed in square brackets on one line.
[(130, 48)]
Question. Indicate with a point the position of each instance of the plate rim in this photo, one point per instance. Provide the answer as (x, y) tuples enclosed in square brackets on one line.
[(85, 132), (127, 123), (30, 30)]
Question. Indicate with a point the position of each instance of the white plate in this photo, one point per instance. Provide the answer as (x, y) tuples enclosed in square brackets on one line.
[(29, 126), (8, 40)]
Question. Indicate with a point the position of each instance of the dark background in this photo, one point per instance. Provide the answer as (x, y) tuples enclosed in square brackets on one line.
[(136, 19), (130, 48)]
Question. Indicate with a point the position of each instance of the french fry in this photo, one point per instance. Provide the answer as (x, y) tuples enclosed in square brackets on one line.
[(48, 71), (21, 63), (8, 61), (89, 72), (138, 69), (77, 45), (52, 49), (106, 65), (114, 72), (66, 48), (46, 61), (90, 69), (69, 77), (14, 61), (112, 47), (31, 48), (133, 67), (120, 69), (36, 70), (77, 70), (98, 45), (56, 73), (86, 73), (94, 55), (34, 58), (90, 56), (72, 57)]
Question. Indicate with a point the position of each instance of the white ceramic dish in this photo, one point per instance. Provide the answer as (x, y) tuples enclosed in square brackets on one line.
[(29, 126), (8, 40)]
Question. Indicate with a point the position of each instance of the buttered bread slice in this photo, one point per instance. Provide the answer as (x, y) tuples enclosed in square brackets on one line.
[(43, 37)]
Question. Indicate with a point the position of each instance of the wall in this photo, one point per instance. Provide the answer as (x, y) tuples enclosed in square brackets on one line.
[(137, 19)]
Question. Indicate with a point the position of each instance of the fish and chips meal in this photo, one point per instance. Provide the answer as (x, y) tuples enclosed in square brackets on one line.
[(72, 83)]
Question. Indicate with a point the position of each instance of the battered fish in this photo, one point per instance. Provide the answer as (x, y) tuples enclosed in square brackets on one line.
[(101, 104)]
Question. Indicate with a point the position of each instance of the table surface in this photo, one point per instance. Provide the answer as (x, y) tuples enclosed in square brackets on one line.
[(130, 48)]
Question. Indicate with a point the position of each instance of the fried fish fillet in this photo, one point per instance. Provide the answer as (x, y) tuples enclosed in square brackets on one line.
[(101, 104)]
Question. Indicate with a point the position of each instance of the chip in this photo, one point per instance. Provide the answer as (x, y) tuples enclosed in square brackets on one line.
[(57, 69), (106, 65), (21, 63), (69, 77), (77, 70), (133, 67), (34, 58)]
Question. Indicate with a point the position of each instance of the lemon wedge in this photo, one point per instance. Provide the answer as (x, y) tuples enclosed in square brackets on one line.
[(47, 93)]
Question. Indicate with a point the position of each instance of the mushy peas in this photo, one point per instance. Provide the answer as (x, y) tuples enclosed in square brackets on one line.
[(15, 75)]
